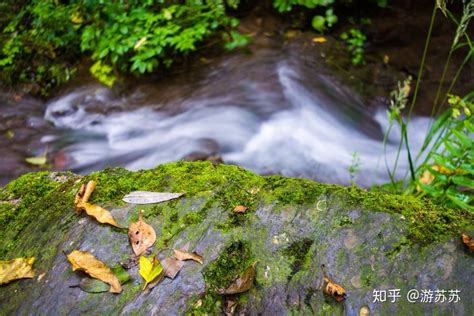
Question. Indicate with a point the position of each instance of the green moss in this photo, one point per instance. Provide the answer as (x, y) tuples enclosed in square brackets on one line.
[(220, 273), (233, 261), (286, 191), (297, 253), (220, 186), (345, 221), (38, 199)]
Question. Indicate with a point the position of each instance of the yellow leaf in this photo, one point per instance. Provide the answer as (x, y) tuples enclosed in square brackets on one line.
[(142, 236), (19, 268), (38, 161), (85, 192), (76, 18), (149, 269), (84, 261), (81, 202), (100, 214), (139, 43), (183, 255), (386, 59), (320, 39)]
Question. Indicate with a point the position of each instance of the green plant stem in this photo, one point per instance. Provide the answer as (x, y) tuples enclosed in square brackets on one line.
[(423, 59)]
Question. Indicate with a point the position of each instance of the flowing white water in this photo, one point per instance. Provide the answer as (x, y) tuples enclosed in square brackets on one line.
[(313, 134)]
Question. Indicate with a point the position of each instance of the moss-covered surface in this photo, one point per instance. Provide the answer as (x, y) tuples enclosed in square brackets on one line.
[(290, 223)]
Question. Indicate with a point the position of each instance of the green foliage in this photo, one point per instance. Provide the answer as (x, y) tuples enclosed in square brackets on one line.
[(355, 41), (447, 174), (43, 39), (319, 22), (37, 43)]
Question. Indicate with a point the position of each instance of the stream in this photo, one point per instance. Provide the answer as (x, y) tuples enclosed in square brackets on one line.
[(272, 117)]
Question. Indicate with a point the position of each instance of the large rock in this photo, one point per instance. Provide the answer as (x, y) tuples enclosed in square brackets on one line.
[(366, 241)]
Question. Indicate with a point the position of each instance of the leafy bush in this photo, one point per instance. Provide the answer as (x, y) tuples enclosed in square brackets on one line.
[(447, 174), (319, 22), (355, 41), (43, 39)]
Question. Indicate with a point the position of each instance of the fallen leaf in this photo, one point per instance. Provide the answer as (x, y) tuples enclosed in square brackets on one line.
[(142, 236), (146, 197), (320, 39), (184, 255), (386, 59), (149, 269), (240, 209), (90, 187), (86, 262), (100, 214), (242, 283), (172, 266), (334, 290), (97, 286), (79, 198), (85, 192), (37, 161), (468, 241), (19, 268)]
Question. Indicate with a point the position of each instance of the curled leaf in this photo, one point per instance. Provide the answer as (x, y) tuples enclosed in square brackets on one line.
[(81, 202), (150, 269), (334, 290), (100, 214), (78, 199), (240, 209), (172, 266), (96, 286), (19, 268), (84, 261), (183, 255), (241, 283), (146, 197), (90, 187), (141, 235), (468, 241)]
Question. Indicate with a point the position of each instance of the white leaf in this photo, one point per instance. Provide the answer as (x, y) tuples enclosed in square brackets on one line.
[(146, 197)]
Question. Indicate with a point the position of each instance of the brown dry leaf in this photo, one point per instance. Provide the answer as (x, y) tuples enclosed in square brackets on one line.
[(242, 283), (334, 290), (142, 236), (171, 266), (84, 261), (468, 241), (240, 209), (90, 187), (79, 196), (84, 193), (184, 255), (100, 214), (19, 268)]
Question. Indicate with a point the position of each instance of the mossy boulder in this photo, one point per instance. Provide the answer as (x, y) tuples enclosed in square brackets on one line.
[(366, 241)]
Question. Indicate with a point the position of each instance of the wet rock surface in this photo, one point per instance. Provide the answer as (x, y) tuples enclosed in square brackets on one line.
[(292, 228)]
